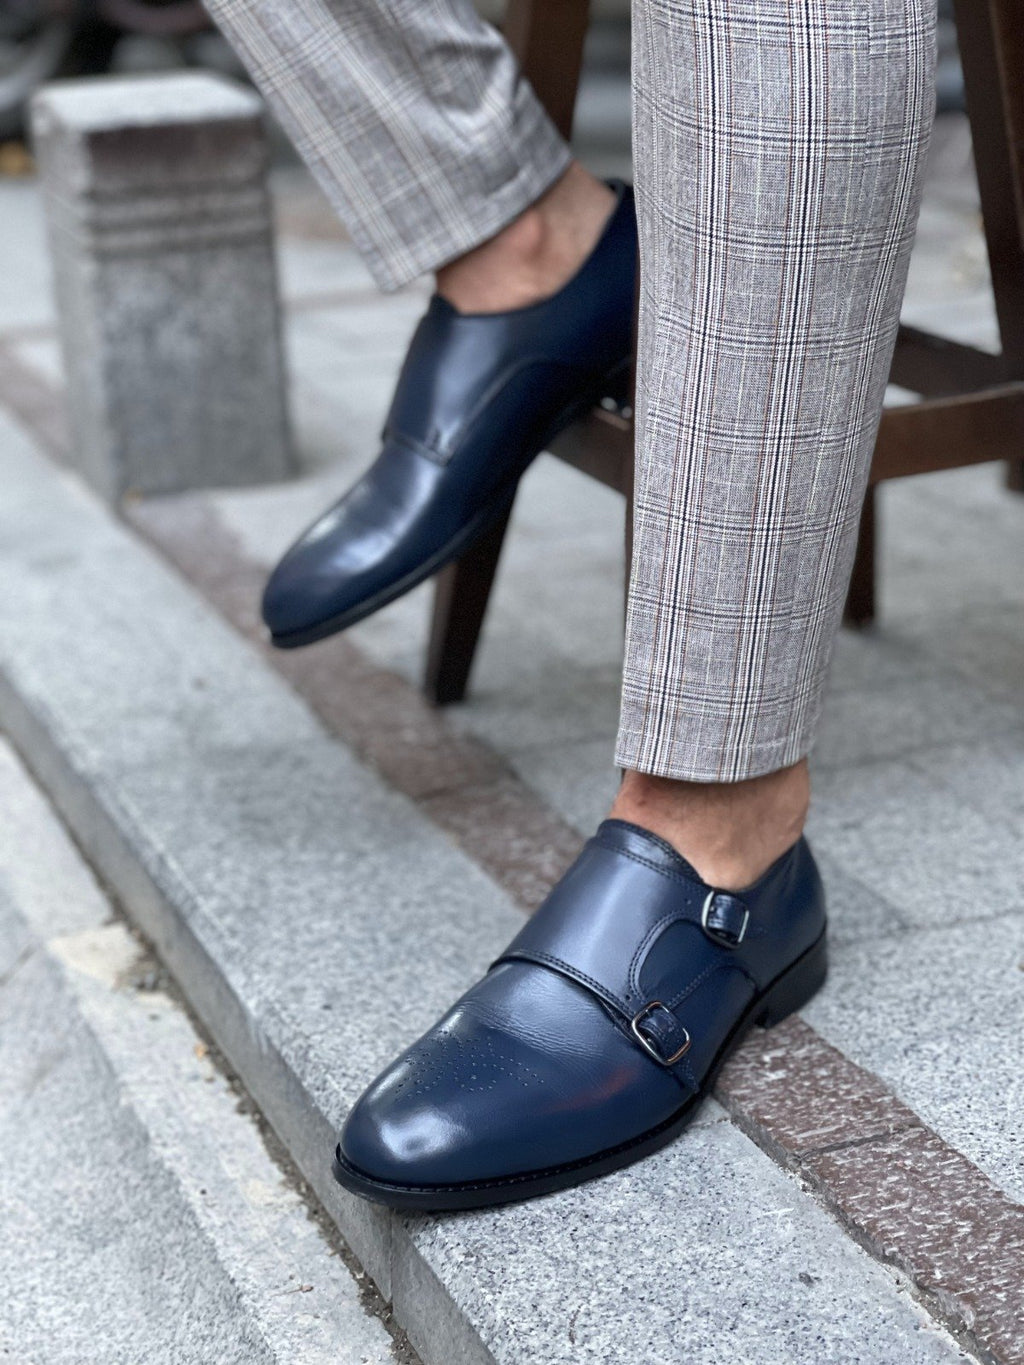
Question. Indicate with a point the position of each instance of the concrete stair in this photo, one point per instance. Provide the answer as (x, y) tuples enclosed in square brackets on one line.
[(144, 1218), (317, 921)]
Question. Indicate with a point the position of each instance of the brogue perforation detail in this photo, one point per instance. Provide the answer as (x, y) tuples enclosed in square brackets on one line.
[(486, 1065)]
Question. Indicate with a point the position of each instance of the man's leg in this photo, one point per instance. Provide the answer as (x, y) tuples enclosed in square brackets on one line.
[(427, 140), (779, 151), (412, 114)]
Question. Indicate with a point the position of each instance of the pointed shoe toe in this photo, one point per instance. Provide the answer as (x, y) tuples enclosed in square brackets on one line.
[(594, 1038)]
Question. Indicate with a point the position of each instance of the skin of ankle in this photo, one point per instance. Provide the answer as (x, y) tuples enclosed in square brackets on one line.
[(536, 254), (730, 832)]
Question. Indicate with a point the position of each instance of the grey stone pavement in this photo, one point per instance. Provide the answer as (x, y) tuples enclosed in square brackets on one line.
[(143, 1217), (918, 820)]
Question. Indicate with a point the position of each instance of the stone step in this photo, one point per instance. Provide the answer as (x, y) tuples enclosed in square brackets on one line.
[(144, 1217), (317, 922)]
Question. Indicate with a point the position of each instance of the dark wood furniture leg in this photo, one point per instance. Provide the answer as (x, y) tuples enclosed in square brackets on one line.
[(973, 408), (461, 594), (547, 36), (860, 599), (992, 52)]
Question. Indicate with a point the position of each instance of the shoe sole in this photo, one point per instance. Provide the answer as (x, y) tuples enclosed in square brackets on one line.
[(789, 992), (611, 386)]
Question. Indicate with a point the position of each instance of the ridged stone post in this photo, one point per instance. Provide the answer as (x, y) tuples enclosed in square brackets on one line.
[(160, 229)]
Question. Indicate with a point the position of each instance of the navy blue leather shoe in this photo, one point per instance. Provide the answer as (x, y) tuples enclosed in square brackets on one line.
[(593, 1039), (479, 396)]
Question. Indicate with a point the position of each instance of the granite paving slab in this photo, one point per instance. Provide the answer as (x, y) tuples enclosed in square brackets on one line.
[(143, 1216), (939, 1016)]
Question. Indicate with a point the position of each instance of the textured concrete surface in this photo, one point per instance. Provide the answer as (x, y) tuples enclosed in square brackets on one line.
[(975, 1258), (250, 847), (918, 844), (465, 787), (737, 1265), (891, 1181), (159, 224), (239, 808), (26, 281), (939, 1016), (807, 1097), (143, 1217)]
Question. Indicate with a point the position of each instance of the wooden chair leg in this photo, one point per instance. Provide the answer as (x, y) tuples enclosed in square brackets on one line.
[(992, 50), (860, 600), (461, 594), (547, 36)]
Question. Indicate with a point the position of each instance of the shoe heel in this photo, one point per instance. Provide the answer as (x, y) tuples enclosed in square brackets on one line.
[(796, 986)]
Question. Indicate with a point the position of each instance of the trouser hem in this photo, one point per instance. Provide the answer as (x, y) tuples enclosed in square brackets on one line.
[(482, 219), (710, 761)]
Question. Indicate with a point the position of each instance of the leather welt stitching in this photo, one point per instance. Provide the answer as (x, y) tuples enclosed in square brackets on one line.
[(666, 922), (688, 1074), (698, 980), (425, 449)]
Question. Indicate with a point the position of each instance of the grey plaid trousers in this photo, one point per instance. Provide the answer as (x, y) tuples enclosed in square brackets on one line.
[(778, 150)]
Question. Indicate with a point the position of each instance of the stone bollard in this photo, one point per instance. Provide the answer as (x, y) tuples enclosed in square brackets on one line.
[(160, 230)]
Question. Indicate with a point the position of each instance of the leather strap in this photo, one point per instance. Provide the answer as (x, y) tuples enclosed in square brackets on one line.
[(654, 1026), (608, 927)]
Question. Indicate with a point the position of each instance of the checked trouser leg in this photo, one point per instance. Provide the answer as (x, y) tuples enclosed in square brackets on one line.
[(779, 149), (412, 114)]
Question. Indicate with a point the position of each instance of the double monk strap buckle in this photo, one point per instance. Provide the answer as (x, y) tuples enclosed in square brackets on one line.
[(646, 1043), (724, 919)]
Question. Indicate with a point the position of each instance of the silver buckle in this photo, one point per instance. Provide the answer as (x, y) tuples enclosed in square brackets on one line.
[(713, 933), (647, 1045)]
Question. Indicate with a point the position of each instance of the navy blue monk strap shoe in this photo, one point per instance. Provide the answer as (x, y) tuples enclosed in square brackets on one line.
[(479, 396), (593, 1039)]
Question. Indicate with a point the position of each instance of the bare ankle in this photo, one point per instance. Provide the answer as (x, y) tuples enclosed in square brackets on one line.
[(536, 254), (730, 833)]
